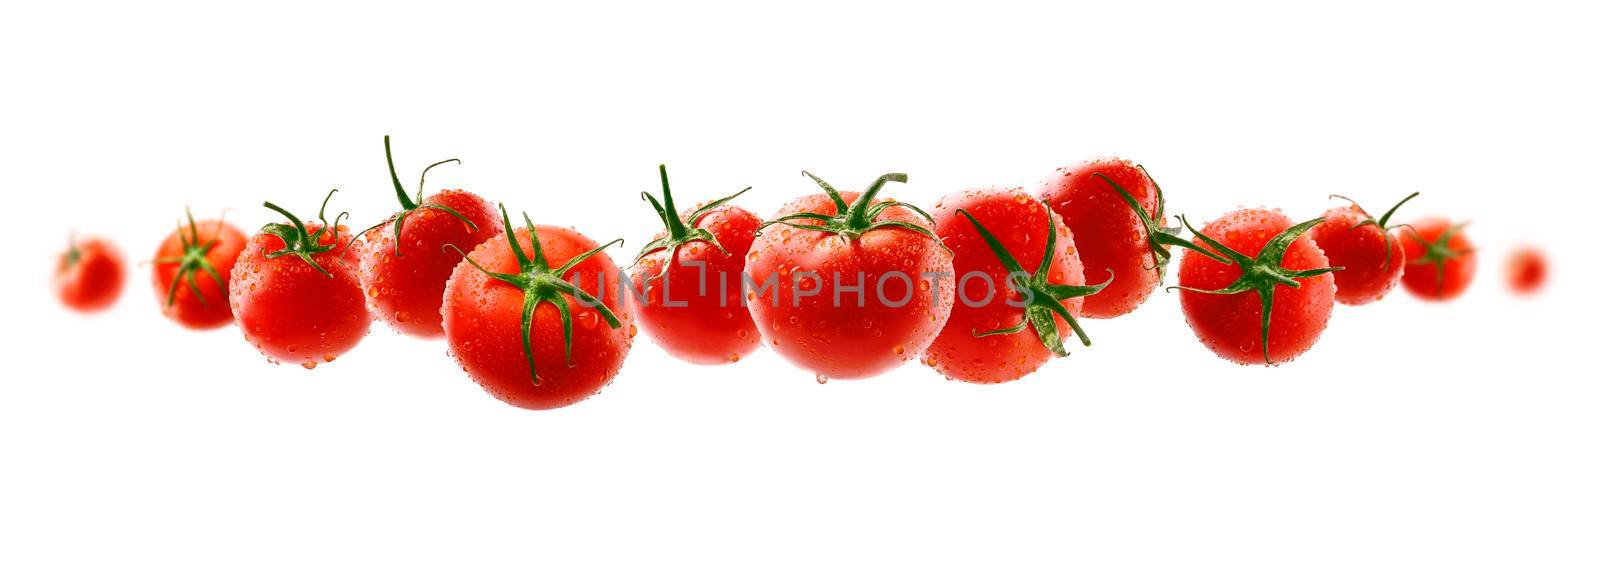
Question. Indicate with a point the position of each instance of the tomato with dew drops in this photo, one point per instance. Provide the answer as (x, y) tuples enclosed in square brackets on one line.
[(417, 248), (1115, 211), (1259, 292), (294, 296), (691, 275), (1020, 285), (191, 271), (536, 317), (846, 286), (1366, 247)]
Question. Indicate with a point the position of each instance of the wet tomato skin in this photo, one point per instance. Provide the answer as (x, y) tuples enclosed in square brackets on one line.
[(89, 277), (1109, 234), (211, 308), (1425, 280), (1017, 220), (483, 324), (1527, 270), (406, 290), (864, 335), (1230, 325), (705, 321), (290, 311), (1367, 276)]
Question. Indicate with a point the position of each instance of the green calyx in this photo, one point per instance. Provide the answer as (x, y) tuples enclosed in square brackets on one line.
[(1382, 223), (539, 283), (680, 231), (298, 241), (409, 204), (1159, 238), (193, 261), (1438, 252), (1043, 297), (1263, 274), (74, 254), (852, 220)]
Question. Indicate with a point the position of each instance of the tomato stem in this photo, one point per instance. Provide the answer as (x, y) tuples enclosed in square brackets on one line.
[(1437, 252), (680, 232), (1381, 223), (193, 260), (1158, 237), (407, 204), (298, 241), (850, 221)]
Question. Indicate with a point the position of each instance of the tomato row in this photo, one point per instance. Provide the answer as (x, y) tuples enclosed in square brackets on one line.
[(985, 287)]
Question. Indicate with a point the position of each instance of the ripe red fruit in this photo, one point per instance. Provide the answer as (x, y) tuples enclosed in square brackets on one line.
[(1115, 211), (512, 323), (191, 271), (1372, 257), (1526, 270), (294, 297), (1440, 259), (406, 265), (1256, 251), (691, 277), (89, 275), (845, 286), (1025, 277)]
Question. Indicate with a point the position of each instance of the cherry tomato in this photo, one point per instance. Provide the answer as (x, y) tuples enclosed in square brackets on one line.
[(1526, 270), (1269, 301), (89, 275), (847, 287), (294, 296), (531, 335), (406, 265), (1371, 255), (1440, 259), (691, 277), (1115, 211), (191, 271), (1019, 284)]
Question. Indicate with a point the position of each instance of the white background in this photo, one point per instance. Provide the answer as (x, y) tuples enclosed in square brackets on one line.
[(1412, 435)]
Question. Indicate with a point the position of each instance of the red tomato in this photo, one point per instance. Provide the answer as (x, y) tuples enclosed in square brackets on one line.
[(1440, 259), (690, 274), (534, 336), (1371, 256), (405, 267), (89, 275), (848, 287), (983, 342), (1272, 299), (294, 296), (1526, 270), (1094, 200), (191, 270)]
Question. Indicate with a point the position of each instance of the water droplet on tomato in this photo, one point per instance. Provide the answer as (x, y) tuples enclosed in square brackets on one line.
[(309, 365), (822, 378)]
